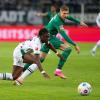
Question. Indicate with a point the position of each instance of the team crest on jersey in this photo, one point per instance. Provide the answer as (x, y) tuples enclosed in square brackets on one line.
[(61, 27)]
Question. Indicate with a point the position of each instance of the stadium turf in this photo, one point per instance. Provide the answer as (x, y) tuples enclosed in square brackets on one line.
[(79, 68)]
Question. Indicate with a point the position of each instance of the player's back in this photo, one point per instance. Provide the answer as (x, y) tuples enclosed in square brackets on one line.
[(31, 45)]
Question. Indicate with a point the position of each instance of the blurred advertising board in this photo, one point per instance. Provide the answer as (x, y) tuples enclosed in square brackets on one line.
[(21, 33)]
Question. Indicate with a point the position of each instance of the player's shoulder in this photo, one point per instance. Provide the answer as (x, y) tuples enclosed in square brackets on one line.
[(56, 18), (36, 39)]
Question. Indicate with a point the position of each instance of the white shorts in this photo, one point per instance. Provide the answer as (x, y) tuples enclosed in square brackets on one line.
[(17, 57)]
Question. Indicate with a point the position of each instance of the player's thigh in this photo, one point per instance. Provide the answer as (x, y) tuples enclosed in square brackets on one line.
[(18, 58), (28, 58), (45, 48), (56, 42), (17, 71)]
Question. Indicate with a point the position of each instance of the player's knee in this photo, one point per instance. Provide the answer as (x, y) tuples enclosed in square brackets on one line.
[(14, 77), (42, 59), (68, 50)]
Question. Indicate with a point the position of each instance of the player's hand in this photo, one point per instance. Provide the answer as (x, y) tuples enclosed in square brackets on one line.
[(77, 48), (60, 56), (83, 24), (38, 14), (45, 75)]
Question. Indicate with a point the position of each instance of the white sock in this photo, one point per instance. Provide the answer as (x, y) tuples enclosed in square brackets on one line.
[(96, 46), (27, 72), (6, 76)]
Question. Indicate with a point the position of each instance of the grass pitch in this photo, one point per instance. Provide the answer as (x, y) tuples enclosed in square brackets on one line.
[(79, 68)]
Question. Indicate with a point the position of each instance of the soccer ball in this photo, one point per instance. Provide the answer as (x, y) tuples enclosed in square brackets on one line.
[(84, 88)]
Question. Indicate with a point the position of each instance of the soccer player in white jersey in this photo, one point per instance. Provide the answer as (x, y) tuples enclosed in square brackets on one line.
[(28, 52), (93, 51)]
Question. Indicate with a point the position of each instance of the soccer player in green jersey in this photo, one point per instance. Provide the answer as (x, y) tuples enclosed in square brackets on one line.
[(49, 14), (54, 26)]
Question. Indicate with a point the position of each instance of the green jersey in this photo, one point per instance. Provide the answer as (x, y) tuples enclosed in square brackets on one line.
[(51, 14), (55, 25), (48, 17)]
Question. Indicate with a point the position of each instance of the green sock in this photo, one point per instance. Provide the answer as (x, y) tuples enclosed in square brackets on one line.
[(42, 59), (26, 66), (65, 54)]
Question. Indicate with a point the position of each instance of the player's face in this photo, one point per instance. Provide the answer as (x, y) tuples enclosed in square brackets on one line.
[(64, 14), (45, 38), (53, 9)]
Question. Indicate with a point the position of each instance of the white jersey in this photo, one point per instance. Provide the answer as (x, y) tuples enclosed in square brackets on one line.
[(34, 45), (98, 20)]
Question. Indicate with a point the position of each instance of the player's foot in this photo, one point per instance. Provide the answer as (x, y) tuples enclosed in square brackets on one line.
[(59, 73), (17, 82), (93, 53)]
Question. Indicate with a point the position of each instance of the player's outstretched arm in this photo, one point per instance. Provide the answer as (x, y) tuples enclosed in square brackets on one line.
[(76, 21), (54, 50), (37, 61), (83, 24), (41, 14), (66, 37)]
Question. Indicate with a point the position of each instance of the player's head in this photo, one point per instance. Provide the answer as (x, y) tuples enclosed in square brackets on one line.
[(53, 8), (44, 35), (64, 11)]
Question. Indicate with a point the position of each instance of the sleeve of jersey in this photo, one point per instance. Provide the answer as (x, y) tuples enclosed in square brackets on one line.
[(64, 35), (73, 19)]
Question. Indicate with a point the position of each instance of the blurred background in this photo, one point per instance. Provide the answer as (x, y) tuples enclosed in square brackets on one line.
[(20, 19), (22, 12)]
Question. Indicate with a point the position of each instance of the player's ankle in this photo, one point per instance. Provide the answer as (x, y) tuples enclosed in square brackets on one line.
[(18, 82), (58, 70)]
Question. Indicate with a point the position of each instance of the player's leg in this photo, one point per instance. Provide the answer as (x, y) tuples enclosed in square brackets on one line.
[(17, 58), (27, 58), (12, 76), (44, 52), (6, 76), (93, 51), (29, 68), (26, 73), (66, 52), (17, 71)]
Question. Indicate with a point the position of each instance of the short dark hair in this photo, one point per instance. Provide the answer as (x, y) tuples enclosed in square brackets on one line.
[(42, 31), (64, 8)]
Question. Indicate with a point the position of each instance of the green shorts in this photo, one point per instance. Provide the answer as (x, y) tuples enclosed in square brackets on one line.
[(54, 41)]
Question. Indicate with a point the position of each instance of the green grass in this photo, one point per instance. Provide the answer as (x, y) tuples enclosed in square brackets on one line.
[(79, 68)]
